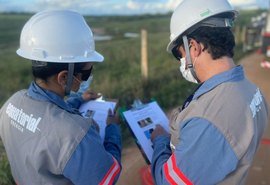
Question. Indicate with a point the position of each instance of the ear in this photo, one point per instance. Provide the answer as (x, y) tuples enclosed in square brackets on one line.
[(62, 78), (196, 48)]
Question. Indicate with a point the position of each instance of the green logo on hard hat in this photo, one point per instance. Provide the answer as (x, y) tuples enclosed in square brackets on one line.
[(205, 13)]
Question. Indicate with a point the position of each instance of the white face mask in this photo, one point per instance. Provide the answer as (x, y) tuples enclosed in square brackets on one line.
[(84, 86), (186, 73)]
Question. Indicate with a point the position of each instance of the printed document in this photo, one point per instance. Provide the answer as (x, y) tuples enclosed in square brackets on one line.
[(98, 110), (142, 121)]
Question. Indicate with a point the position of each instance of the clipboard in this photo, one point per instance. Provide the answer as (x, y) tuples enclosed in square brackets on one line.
[(141, 120)]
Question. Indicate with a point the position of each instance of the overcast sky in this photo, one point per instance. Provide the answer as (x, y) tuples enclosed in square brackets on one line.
[(108, 7)]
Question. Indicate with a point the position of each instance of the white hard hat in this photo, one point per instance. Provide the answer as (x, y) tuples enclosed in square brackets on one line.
[(191, 12), (60, 36)]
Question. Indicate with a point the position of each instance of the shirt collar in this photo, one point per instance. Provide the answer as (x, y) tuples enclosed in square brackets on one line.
[(232, 75), (37, 93)]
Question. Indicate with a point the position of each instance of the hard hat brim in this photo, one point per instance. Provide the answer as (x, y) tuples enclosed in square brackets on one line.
[(92, 57), (97, 57)]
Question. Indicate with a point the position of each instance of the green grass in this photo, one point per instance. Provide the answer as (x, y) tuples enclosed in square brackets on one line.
[(119, 76)]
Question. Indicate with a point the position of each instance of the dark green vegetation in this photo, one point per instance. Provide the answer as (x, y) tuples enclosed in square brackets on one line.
[(120, 75)]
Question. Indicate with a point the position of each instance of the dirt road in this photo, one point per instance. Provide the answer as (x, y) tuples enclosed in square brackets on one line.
[(133, 161)]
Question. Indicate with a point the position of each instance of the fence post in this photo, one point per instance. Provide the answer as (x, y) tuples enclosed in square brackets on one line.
[(144, 55)]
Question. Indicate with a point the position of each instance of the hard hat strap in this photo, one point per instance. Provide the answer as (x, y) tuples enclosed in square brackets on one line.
[(213, 22), (70, 78), (36, 63), (188, 57), (217, 22)]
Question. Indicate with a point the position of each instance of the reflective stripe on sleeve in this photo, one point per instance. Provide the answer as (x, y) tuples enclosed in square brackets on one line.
[(109, 177), (173, 174)]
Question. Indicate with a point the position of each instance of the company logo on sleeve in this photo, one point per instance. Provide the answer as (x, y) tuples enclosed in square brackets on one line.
[(22, 120), (255, 104)]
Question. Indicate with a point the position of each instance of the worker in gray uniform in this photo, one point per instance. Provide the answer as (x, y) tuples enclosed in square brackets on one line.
[(214, 136), (46, 140)]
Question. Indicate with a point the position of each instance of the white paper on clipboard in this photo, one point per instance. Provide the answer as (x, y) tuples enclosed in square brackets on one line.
[(142, 121)]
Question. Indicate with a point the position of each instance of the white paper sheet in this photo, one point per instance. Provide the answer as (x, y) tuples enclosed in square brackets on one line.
[(98, 110), (142, 122)]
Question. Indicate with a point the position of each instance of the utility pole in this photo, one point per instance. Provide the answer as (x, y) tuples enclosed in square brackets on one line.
[(144, 55)]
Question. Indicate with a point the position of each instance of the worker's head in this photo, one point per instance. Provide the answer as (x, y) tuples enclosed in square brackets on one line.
[(48, 71), (58, 41), (201, 23)]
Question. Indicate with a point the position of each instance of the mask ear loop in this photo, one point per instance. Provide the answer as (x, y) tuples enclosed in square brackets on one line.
[(189, 61), (70, 78)]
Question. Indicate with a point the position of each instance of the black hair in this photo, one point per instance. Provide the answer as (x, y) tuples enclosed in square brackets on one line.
[(48, 69), (217, 41)]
